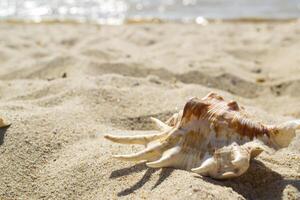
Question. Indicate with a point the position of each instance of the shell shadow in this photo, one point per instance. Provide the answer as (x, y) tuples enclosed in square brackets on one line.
[(2, 134), (260, 182), (164, 174)]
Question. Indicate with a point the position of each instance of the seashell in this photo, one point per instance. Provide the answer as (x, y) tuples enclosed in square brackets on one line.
[(210, 137), (4, 123)]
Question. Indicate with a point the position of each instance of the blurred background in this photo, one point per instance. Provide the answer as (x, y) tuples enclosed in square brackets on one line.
[(117, 11)]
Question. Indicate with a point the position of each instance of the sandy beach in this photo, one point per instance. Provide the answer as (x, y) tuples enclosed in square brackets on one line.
[(62, 86)]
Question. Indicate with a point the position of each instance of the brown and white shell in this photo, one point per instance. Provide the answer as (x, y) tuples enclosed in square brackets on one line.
[(211, 137)]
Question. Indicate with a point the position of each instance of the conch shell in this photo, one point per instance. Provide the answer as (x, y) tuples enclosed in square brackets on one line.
[(210, 137)]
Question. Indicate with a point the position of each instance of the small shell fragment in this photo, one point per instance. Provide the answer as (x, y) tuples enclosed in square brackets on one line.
[(4, 123)]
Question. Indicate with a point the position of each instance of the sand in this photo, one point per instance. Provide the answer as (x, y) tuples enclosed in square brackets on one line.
[(62, 86)]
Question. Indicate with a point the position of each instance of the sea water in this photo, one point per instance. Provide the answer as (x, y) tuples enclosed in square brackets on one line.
[(118, 11)]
